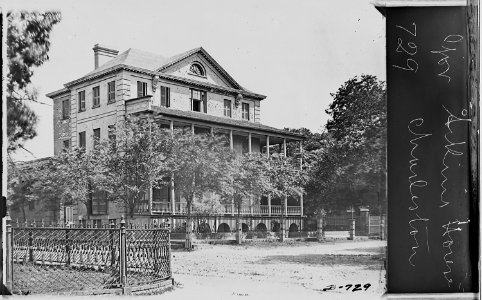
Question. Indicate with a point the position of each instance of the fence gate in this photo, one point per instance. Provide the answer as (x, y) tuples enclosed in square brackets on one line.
[(86, 260)]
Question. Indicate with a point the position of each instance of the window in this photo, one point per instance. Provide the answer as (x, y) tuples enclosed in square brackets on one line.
[(111, 134), (66, 144), (227, 108), (82, 139), (96, 137), (141, 89), (245, 111), (99, 203), (96, 96), (165, 96), (197, 69), (81, 97), (111, 92), (65, 109), (199, 101)]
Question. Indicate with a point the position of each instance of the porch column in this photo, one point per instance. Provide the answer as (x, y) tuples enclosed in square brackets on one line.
[(212, 131), (301, 204), (171, 126), (192, 128), (286, 205), (231, 145), (267, 145), (301, 152), (173, 196), (249, 142), (284, 147), (251, 205), (269, 205), (301, 168)]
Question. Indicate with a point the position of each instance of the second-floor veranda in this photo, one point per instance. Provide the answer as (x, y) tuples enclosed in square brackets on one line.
[(244, 136)]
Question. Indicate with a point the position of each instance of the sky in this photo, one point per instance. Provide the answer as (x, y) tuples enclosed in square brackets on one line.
[(294, 52)]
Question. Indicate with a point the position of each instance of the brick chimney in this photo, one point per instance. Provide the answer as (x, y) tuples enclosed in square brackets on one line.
[(103, 54)]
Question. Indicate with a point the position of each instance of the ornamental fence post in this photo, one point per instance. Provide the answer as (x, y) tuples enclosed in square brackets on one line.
[(67, 246), (8, 253), (30, 245), (123, 253), (111, 238)]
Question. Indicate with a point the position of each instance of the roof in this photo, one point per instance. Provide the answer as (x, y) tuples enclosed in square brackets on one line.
[(150, 63), (135, 58), (58, 92), (223, 121)]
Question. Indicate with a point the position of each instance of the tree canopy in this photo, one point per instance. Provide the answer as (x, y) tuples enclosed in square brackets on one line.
[(347, 161), (28, 43)]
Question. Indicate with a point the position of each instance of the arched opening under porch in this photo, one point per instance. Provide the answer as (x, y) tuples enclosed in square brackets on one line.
[(223, 227), (261, 227), (245, 227), (293, 227)]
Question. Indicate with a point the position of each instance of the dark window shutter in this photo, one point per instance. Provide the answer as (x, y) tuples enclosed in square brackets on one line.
[(163, 96), (139, 89), (205, 101), (168, 97)]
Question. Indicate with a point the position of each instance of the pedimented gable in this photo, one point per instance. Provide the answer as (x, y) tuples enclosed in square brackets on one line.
[(183, 68)]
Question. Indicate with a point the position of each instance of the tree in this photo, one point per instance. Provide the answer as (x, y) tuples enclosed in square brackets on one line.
[(19, 188), (247, 177), (28, 43), (350, 168), (286, 180), (134, 160), (198, 165)]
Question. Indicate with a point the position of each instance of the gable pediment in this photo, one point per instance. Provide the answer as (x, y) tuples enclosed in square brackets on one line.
[(213, 72)]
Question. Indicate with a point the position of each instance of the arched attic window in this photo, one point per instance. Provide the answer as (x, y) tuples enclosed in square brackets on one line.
[(197, 68)]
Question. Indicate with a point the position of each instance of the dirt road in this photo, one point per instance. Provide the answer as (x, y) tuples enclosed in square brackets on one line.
[(282, 271)]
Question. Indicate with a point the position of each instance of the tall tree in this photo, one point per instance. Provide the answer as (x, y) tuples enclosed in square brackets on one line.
[(198, 166), (286, 180), (351, 165), (133, 160), (247, 178), (28, 43)]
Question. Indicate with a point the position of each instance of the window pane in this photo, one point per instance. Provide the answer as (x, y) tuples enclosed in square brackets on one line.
[(195, 95), (82, 139), (227, 108)]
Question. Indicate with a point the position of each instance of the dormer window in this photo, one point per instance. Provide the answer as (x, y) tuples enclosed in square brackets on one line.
[(197, 69)]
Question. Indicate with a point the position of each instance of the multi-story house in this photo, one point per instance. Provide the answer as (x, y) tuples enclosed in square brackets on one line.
[(187, 90)]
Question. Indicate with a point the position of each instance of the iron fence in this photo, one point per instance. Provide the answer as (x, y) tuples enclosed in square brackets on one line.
[(68, 260)]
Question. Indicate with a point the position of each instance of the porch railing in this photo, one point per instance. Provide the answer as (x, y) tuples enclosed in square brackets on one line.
[(257, 210)]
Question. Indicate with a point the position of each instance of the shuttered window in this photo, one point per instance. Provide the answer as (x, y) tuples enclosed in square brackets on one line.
[(82, 139), (81, 98), (96, 137), (111, 92), (227, 108), (141, 89), (95, 96), (199, 101), (165, 96), (111, 135), (65, 109), (245, 111)]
